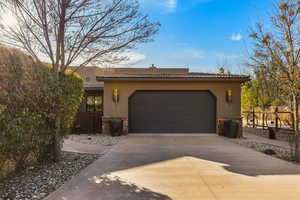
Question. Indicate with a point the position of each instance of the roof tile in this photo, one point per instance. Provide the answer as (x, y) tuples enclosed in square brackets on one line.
[(175, 76)]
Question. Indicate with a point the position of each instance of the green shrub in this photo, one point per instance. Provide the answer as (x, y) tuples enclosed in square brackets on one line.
[(30, 98)]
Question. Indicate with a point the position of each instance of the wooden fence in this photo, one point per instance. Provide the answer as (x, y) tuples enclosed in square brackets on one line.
[(277, 119)]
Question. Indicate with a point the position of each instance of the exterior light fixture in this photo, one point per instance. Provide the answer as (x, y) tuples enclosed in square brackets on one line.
[(116, 95), (229, 94)]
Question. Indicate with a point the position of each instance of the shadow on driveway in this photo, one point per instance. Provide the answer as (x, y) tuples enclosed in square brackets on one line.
[(183, 168), (125, 190), (137, 151)]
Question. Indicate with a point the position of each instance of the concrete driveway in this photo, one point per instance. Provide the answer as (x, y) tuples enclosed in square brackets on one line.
[(183, 168)]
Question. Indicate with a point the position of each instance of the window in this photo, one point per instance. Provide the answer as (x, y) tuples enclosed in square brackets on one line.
[(98, 104), (90, 104), (94, 103)]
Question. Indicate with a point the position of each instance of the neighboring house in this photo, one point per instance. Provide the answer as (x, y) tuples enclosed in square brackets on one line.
[(158, 100)]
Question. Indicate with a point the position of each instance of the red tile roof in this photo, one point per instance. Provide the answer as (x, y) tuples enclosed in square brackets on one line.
[(191, 76)]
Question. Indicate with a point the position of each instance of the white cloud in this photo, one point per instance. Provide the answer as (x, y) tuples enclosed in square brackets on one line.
[(171, 5), (236, 37), (8, 20), (132, 58), (168, 6)]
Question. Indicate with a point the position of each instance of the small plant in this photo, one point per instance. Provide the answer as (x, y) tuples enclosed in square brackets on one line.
[(116, 127), (231, 128)]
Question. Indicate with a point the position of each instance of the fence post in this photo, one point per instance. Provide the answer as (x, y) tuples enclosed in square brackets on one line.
[(263, 119), (276, 118), (253, 118)]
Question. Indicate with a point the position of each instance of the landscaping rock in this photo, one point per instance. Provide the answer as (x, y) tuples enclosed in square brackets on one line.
[(95, 139), (270, 149), (269, 152), (37, 182)]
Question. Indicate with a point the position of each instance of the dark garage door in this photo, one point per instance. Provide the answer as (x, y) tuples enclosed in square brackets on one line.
[(172, 112)]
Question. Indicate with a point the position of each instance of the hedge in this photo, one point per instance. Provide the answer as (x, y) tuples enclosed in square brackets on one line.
[(30, 97)]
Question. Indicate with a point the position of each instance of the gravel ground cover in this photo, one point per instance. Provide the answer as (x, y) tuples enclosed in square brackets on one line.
[(280, 152), (281, 135), (95, 139), (35, 183)]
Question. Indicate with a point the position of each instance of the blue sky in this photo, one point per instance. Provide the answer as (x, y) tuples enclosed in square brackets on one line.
[(200, 34)]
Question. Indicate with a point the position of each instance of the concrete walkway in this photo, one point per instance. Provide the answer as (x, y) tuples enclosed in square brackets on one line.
[(183, 168), (72, 146)]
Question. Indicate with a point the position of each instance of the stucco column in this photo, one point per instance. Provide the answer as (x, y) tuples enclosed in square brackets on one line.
[(240, 132), (125, 126), (105, 126)]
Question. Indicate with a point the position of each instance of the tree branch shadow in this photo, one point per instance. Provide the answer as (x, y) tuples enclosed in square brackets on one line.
[(125, 190)]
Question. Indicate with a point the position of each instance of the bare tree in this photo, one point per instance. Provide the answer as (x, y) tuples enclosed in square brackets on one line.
[(5, 3), (223, 66), (76, 32), (277, 51)]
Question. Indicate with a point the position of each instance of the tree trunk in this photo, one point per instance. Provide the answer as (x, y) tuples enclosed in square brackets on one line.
[(276, 118), (56, 140), (296, 128), (57, 134)]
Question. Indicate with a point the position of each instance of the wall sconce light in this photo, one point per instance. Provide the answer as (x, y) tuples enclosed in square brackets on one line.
[(116, 95), (229, 95)]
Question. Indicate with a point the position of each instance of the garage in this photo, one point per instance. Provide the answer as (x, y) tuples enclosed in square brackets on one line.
[(158, 101), (172, 112)]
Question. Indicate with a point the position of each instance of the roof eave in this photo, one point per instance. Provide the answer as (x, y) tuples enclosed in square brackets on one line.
[(93, 88), (241, 80)]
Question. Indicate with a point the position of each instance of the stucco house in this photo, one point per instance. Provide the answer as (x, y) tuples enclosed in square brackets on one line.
[(158, 100)]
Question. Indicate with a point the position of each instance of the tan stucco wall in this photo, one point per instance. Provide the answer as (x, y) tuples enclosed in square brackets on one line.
[(120, 109)]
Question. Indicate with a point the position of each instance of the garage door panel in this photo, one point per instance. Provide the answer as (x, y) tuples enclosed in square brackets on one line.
[(172, 112)]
